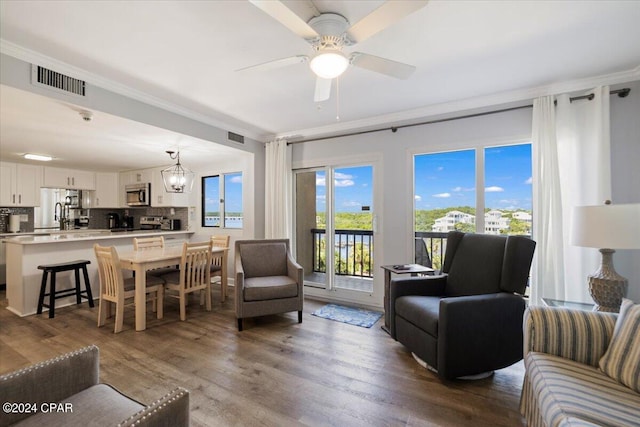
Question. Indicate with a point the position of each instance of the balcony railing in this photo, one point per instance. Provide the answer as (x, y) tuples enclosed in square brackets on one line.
[(354, 251)]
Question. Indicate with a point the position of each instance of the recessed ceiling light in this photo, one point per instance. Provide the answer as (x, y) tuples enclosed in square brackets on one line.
[(38, 157)]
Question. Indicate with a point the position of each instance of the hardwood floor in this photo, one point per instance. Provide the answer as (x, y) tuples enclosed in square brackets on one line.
[(275, 373)]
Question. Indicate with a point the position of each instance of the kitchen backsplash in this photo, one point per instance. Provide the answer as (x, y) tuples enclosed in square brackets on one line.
[(97, 217), (24, 225)]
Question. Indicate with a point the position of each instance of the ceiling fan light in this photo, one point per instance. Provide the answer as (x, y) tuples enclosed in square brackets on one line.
[(329, 64)]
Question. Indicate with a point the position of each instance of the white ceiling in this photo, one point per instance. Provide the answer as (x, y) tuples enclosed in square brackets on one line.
[(185, 53)]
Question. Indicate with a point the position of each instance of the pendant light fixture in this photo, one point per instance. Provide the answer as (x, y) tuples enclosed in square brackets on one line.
[(176, 178)]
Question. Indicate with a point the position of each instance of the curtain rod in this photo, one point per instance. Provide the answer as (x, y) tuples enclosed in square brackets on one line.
[(622, 93)]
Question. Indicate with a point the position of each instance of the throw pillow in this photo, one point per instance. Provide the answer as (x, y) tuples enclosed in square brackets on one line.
[(621, 361)]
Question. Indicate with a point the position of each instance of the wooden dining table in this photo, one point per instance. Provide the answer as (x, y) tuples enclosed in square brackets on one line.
[(142, 261)]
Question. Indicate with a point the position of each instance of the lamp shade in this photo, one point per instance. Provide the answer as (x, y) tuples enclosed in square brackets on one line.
[(177, 179), (606, 226), (329, 63)]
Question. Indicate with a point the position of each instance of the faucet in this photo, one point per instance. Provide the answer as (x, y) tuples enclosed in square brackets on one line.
[(62, 216)]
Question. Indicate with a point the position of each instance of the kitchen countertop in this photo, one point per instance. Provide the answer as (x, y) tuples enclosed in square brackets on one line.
[(79, 235)]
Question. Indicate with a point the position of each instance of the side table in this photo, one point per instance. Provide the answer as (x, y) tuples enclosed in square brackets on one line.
[(412, 269)]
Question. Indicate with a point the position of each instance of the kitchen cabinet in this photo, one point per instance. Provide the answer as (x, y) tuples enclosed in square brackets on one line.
[(69, 178), (107, 191), (20, 184)]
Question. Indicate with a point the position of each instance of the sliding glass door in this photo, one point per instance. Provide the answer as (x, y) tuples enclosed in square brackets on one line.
[(334, 228)]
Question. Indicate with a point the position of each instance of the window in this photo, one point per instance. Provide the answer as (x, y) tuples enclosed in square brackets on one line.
[(222, 200), (486, 190)]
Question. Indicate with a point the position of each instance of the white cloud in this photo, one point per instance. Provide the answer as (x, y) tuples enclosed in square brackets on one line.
[(339, 175), (321, 181), (417, 198), (344, 183), (442, 195), (321, 197), (493, 189), (440, 168), (351, 204), (529, 181), (459, 189), (236, 180)]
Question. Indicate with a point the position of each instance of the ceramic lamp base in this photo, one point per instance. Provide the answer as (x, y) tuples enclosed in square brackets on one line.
[(606, 286)]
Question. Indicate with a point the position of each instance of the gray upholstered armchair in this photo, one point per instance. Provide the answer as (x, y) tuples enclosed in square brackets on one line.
[(65, 391), (268, 279), (468, 320)]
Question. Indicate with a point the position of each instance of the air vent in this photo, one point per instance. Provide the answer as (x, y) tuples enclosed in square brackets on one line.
[(41, 76), (235, 137)]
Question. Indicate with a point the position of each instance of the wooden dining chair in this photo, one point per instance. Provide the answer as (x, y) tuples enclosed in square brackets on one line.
[(115, 289), (140, 243), (218, 272), (156, 242), (194, 275)]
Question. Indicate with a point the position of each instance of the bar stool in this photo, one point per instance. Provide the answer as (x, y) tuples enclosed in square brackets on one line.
[(55, 294)]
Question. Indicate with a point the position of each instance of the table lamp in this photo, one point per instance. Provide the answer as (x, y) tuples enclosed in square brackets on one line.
[(607, 227)]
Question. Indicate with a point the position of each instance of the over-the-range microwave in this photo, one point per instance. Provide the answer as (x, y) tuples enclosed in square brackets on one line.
[(138, 194)]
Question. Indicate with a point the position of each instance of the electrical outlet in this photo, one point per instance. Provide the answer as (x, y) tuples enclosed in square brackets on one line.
[(24, 218)]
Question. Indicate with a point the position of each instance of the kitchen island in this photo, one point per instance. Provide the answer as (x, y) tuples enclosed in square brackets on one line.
[(25, 253)]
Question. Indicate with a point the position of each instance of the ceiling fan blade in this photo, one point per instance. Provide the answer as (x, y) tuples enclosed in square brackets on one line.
[(281, 13), (323, 89), (387, 14), (382, 65), (277, 63)]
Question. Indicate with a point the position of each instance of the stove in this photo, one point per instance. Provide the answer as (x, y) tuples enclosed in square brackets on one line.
[(150, 222)]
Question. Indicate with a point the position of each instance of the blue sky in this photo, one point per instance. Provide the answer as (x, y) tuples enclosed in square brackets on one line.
[(353, 189), (444, 180), (233, 196)]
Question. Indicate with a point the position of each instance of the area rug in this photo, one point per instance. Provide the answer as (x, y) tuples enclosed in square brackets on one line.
[(350, 315)]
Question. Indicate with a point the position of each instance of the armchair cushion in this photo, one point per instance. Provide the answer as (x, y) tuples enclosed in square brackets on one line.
[(264, 259), (269, 287), (97, 405), (476, 265), (421, 311), (622, 359)]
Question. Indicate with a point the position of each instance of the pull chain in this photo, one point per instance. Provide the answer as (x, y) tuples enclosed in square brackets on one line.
[(337, 99)]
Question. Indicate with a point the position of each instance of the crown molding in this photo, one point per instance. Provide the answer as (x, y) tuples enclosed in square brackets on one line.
[(514, 96), (33, 57)]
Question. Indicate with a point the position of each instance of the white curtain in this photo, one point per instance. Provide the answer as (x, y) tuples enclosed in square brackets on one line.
[(583, 159), (548, 270), (278, 211)]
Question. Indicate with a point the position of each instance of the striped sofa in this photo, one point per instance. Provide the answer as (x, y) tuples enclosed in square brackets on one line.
[(563, 385)]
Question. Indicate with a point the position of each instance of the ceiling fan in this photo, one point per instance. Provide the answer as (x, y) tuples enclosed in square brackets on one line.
[(329, 33)]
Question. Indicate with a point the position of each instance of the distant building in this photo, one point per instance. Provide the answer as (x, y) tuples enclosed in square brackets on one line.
[(449, 221), (495, 222)]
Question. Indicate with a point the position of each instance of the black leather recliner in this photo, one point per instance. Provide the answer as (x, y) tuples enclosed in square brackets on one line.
[(468, 320)]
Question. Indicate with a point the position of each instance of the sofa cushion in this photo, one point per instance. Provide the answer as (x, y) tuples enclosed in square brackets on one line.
[(568, 391), (622, 358), (98, 405), (420, 311), (269, 287)]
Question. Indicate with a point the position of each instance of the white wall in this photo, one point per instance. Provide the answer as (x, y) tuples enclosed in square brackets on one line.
[(396, 150)]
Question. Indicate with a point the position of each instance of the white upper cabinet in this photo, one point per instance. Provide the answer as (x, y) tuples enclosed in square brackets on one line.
[(69, 178), (20, 184), (107, 191)]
